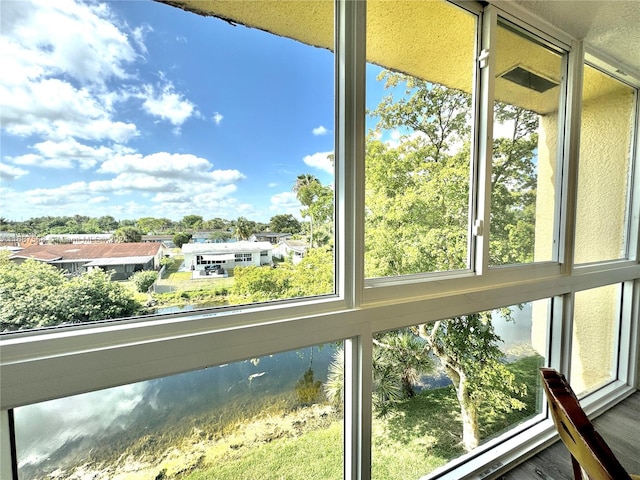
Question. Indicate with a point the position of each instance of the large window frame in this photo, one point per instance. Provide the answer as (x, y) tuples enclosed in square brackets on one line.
[(47, 364)]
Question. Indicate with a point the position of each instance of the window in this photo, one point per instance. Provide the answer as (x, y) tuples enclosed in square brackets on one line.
[(156, 132), (244, 257), (524, 187), (210, 421), (489, 359), (594, 346), (608, 109), (419, 148), (379, 257)]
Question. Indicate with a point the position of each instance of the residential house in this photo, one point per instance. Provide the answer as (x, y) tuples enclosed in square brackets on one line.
[(271, 237), (294, 249), (197, 256), (123, 259)]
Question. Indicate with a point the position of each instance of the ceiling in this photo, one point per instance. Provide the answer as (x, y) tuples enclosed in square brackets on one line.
[(610, 27)]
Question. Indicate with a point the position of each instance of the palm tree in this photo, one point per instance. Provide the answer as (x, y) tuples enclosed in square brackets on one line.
[(242, 230), (306, 196)]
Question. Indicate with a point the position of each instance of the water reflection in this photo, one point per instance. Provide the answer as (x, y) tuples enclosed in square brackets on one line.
[(53, 434)]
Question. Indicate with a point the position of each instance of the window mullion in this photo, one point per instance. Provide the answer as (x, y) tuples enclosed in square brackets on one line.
[(350, 138), (6, 449), (484, 122)]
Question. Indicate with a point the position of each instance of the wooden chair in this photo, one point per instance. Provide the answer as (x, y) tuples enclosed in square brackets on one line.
[(592, 459)]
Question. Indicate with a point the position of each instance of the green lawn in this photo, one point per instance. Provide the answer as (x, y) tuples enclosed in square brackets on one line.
[(418, 437)]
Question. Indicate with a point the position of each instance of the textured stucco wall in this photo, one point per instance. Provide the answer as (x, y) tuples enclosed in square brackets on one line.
[(596, 315), (603, 170), (602, 190)]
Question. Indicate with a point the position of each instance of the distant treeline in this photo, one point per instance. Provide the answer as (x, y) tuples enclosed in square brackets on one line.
[(81, 224)]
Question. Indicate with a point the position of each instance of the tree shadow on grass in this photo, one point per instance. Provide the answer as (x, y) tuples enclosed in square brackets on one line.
[(430, 422), (526, 372)]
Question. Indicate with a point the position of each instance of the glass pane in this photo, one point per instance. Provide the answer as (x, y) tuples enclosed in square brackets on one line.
[(594, 349), (525, 145), (603, 174), (161, 160), (417, 372), (418, 148), (269, 417)]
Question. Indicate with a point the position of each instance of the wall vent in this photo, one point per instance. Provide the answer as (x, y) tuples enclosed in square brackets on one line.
[(528, 79)]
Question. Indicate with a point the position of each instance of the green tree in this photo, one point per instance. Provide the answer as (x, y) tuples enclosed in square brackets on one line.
[(192, 222), (513, 187), (285, 224), (92, 296), (260, 284), (144, 279), (34, 294), (91, 226), (28, 293), (243, 228), (107, 223), (467, 348), (417, 193), (128, 234), (312, 276), (151, 225), (399, 358), (318, 202), (220, 236), (181, 238)]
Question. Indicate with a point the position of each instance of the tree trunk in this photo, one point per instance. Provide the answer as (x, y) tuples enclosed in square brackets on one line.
[(455, 371), (468, 410)]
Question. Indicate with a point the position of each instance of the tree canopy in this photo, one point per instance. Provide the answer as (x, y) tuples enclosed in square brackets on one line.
[(127, 234), (285, 223), (417, 221), (34, 294)]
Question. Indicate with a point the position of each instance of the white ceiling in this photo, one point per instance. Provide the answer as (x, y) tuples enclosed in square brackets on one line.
[(611, 27)]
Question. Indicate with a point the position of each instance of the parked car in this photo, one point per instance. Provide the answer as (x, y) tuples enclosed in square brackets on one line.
[(213, 269)]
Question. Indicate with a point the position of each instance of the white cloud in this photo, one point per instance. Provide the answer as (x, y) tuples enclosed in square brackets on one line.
[(184, 167), (79, 39), (167, 104), (320, 130), (287, 203), (68, 154), (272, 185), (139, 34), (284, 200), (8, 172), (320, 160), (217, 118), (54, 109)]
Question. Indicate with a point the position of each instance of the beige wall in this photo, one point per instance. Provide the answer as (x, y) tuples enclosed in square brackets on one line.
[(600, 222)]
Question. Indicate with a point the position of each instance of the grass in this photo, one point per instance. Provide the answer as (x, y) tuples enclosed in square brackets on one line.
[(205, 292), (316, 455), (421, 435)]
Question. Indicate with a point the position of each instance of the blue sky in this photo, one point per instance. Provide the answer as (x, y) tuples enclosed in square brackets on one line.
[(135, 109)]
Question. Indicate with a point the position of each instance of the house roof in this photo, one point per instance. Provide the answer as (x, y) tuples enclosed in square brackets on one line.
[(105, 262), (79, 252), (232, 247)]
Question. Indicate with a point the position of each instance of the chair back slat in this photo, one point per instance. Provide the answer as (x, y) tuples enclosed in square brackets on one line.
[(586, 446)]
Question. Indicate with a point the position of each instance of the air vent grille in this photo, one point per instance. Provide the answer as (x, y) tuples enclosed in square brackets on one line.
[(528, 79)]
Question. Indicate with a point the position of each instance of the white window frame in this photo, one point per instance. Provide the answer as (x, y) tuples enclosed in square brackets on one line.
[(56, 363)]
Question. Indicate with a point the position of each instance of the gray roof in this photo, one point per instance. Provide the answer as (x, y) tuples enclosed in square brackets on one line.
[(105, 262)]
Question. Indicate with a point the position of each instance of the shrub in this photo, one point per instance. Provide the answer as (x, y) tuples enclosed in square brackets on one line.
[(143, 280)]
